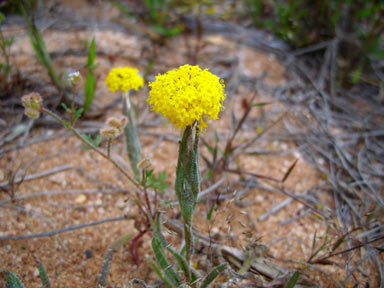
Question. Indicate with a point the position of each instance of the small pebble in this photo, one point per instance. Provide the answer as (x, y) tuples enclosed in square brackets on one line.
[(36, 272), (88, 253), (81, 199)]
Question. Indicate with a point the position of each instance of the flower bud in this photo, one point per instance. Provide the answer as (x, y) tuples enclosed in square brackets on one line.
[(33, 101), (117, 123), (110, 132), (74, 78), (114, 127), (32, 113), (144, 164), (33, 104)]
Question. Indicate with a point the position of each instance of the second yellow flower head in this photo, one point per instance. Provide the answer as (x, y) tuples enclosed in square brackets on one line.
[(186, 95), (124, 79)]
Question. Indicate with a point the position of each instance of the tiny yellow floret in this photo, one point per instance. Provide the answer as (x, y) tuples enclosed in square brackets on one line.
[(124, 79), (186, 95)]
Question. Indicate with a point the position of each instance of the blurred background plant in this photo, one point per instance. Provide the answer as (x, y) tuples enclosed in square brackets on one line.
[(5, 46), (157, 14), (38, 43), (11, 280), (358, 27)]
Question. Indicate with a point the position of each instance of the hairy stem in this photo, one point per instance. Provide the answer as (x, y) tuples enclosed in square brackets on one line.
[(131, 137)]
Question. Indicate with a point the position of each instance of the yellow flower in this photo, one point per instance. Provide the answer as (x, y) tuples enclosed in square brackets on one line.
[(186, 95), (124, 79)]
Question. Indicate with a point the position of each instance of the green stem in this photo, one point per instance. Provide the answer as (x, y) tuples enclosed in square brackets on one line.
[(109, 147), (73, 105), (131, 137), (187, 184), (38, 44)]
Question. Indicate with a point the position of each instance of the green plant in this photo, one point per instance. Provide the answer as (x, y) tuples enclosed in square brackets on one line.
[(166, 271), (358, 26), (156, 183), (74, 81), (186, 83), (90, 80), (183, 86), (125, 79), (156, 15), (13, 281), (159, 15), (5, 46), (38, 45), (33, 104)]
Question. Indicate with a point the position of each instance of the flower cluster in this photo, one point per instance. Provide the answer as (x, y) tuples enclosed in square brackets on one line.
[(33, 104), (114, 127), (124, 79), (186, 95)]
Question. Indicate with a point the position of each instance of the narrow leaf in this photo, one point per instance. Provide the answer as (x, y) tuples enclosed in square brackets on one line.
[(163, 262), (289, 171), (160, 273), (182, 263), (65, 107), (261, 104), (13, 281), (213, 275), (92, 53), (78, 114), (292, 282), (102, 278), (209, 216), (43, 273), (90, 87)]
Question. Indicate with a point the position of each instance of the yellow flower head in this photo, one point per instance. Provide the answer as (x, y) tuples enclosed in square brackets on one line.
[(186, 95), (124, 79)]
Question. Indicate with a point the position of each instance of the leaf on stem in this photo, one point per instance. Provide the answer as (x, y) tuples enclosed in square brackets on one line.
[(293, 280), (182, 263), (213, 275)]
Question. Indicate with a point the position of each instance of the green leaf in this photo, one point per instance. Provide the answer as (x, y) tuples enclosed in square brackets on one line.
[(160, 273), (102, 278), (89, 139), (90, 87), (157, 183), (92, 54), (182, 263), (66, 124), (322, 247), (380, 54), (13, 281), (261, 104), (213, 275), (156, 229), (90, 80), (123, 8), (356, 75), (292, 282), (97, 140), (65, 107), (209, 216), (289, 171), (163, 263), (167, 32), (77, 114), (43, 275)]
